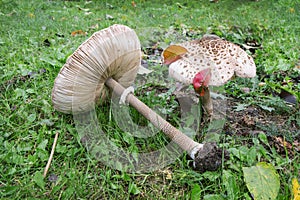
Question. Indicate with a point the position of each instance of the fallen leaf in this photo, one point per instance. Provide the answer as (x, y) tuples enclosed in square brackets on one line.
[(31, 15), (262, 181), (262, 84), (173, 53), (295, 189), (78, 32), (133, 4), (248, 120), (283, 143), (168, 174)]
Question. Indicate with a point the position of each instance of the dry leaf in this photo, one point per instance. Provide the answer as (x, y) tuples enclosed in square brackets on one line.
[(31, 15), (283, 143), (133, 4), (262, 84), (78, 32), (168, 174), (248, 120), (173, 53), (296, 189)]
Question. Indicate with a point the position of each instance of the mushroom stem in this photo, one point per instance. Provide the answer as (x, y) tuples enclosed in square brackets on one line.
[(174, 134), (207, 102), (206, 156)]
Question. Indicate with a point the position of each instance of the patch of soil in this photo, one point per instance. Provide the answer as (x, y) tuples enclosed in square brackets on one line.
[(282, 132), (254, 119)]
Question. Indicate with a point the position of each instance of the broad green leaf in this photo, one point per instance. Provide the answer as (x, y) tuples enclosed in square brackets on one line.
[(19, 92), (39, 179), (230, 183), (30, 91), (8, 190), (113, 186), (196, 192), (43, 144), (31, 117), (262, 181), (133, 189), (263, 138)]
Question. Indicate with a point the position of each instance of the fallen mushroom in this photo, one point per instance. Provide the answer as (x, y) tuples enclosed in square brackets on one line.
[(113, 52), (109, 60), (209, 61)]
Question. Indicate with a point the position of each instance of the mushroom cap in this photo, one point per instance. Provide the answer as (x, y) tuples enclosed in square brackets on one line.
[(113, 52), (223, 58)]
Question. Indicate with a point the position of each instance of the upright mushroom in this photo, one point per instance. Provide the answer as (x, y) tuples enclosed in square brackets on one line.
[(209, 61), (110, 59)]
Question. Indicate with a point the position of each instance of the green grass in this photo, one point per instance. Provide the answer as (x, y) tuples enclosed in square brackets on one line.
[(35, 41)]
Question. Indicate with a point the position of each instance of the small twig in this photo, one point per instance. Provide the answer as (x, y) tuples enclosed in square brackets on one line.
[(51, 155)]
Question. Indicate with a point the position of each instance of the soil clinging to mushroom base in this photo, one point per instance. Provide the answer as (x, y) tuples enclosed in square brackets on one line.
[(209, 158)]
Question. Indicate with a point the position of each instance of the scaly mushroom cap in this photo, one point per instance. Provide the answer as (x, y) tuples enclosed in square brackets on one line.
[(112, 52), (223, 58)]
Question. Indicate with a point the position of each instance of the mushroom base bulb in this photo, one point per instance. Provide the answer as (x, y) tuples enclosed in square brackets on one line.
[(201, 81), (210, 157)]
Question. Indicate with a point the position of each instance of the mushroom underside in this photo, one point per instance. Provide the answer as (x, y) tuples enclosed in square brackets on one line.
[(111, 52)]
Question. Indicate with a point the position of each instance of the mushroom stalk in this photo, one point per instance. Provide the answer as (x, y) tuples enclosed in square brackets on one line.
[(206, 156), (207, 102), (174, 134)]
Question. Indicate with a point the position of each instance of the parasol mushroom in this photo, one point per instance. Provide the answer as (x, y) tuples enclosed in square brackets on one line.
[(109, 60), (110, 53), (209, 61)]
